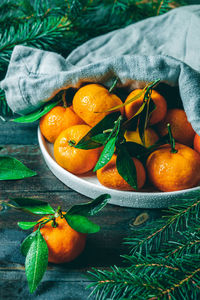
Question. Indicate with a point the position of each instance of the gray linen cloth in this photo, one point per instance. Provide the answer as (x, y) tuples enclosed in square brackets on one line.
[(165, 47)]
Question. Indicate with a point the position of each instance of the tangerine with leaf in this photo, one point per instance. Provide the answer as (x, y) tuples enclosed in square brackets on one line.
[(74, 160), (160, 105), (109, 175), (63, 242), (92, 102)]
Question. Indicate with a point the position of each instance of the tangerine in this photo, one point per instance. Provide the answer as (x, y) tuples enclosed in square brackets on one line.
[(63, 242), (91, 101), (74, 160), (157, 115), (174, 171), (197, 143), (151, 137), (181, 129), (56, 120), (110, 177)]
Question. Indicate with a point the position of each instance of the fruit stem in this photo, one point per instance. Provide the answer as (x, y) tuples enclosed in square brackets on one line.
[(54, 223), (71, 143), (59, 212), (113, 85), (171, 139)]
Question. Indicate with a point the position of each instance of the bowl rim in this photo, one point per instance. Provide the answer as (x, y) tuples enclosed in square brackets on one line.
[(101, 188)]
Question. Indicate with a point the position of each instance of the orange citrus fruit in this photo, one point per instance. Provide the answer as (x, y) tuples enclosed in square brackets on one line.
[(157, 115), (110, 177), (56, 120), (174, 171), (151, 137), (197, 143), (76, 161), (63, 242), (91, 101), (181, 129)]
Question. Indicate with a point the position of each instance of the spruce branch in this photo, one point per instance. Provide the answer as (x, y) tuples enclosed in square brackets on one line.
[(160, 265), (177, 219)]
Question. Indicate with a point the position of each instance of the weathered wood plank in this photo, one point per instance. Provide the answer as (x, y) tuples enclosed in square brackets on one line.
[(60, 284), (18, 134), (67, 281)]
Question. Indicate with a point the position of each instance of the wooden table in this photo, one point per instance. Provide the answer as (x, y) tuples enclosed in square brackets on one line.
[(66, 281)]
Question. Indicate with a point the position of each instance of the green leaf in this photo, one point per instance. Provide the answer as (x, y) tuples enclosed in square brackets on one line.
[(34, 206), (115, 131), (26, 225), (106, 123), (144, 117), (36, 261), (100, 138), (142, 124), (12, 169), (81, 224), (135, 150), (106, 154), (27, 243), (37, 114), (90, 208), (94, 142), (133, 122), (126, 167)]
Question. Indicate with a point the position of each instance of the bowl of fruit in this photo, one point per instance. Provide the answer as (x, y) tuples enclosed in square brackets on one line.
[(140, 151)]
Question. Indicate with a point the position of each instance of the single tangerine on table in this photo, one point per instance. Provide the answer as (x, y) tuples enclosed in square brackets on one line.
[(56, 120), (181, 129), (110, 177), (76, 161), (157, 115), (91, 101), (197, 143), (174, 171), (63, 242), (151, 137)]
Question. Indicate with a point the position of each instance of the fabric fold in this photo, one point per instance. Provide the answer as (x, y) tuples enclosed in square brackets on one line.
[(165, 47)]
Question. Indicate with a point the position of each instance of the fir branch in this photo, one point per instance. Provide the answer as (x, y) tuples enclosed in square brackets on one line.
[(178, 218), (148, 280), (170, 272)]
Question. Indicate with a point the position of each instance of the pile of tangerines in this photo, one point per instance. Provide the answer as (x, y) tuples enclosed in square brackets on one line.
[(168, 168)]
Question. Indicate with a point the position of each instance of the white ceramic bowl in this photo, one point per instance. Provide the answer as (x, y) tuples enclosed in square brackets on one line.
[(88, 185)]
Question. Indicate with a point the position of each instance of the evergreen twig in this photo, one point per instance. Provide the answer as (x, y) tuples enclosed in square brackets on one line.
[(164, 262)]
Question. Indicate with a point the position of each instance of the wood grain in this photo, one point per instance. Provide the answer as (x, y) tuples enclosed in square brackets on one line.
[(67, 281)]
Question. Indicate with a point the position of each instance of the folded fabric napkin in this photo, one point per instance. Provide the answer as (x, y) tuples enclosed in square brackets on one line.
[(165, 47)]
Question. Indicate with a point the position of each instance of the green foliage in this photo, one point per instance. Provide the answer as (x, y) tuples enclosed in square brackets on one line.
[(77, 215), (12, 169), (32, 117), (34, 206), (34, 246), (90, 208), (81, 224), (26, 225), (163, 262), (36, 261), (126, 166)]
